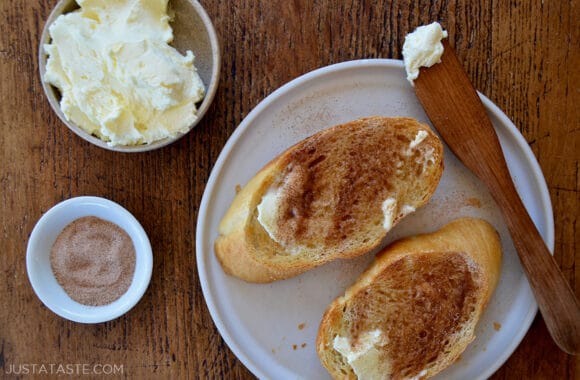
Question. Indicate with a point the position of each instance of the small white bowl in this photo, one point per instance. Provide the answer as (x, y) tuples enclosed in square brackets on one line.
[(192, 30), (43, 280)]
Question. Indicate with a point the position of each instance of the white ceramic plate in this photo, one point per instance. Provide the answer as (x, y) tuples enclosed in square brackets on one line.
[(272, 328)]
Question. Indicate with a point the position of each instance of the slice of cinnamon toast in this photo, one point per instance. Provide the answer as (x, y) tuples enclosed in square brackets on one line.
[(414, 310), (333, 195)]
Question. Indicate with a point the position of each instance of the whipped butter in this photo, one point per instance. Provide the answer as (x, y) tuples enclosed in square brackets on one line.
[(363, 357), (118, 77), (421, 135), (268, 212), (389, 206), (423, 48)]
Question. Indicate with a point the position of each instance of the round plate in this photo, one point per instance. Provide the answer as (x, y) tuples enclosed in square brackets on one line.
[(272, 328)]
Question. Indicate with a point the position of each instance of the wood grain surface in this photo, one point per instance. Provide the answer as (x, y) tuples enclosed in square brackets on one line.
[(524, 55)]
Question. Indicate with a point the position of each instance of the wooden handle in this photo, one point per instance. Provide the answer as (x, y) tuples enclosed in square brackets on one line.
[(556, 300)]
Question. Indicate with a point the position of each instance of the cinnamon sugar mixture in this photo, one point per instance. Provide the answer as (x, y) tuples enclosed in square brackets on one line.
[(93, 260)]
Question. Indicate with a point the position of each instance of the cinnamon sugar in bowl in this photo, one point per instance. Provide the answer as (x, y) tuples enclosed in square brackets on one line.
[(89, 260)]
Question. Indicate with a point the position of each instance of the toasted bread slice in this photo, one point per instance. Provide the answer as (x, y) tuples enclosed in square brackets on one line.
[(414, 310), (333, 195)]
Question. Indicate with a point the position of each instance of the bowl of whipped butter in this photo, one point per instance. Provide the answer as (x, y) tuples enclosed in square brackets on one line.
[(129, 75)]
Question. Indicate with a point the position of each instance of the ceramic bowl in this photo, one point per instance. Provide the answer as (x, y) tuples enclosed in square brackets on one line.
[(43, 280), (192, 30)]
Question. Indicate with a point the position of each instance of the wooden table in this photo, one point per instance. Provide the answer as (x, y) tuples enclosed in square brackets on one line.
[(524, 55)]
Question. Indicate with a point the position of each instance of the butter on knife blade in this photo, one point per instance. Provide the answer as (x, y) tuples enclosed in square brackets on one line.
[(423, 48)]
